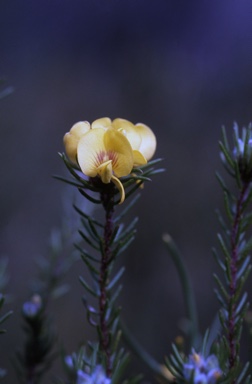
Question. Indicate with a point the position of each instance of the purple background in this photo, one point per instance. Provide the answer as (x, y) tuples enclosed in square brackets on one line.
[(182, 67)]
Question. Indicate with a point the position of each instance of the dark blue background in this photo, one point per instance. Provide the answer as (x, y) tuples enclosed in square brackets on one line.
[(182, 67)]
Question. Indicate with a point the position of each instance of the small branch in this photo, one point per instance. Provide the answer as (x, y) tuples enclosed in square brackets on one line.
[(233, 282), (107, 198)]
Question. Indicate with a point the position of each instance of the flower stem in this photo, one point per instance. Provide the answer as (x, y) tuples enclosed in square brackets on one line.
[(107, 197), (232, 338)]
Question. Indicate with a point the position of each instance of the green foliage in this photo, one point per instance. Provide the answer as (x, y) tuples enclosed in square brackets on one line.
[(233, 257), (212, 358), (103, 243), (52, 269), (36, 356), (3, 283), (3, 316), (131, 183)]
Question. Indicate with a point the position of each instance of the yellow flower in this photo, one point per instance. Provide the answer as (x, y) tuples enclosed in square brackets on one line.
[(109, 149), (106, 153), (71, 139), (140, 136)]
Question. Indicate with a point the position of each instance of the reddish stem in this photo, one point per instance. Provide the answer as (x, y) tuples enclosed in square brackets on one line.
[(233, 282), (108, 203)]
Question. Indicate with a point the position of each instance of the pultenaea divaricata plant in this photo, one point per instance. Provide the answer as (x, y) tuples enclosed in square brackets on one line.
[(109, 161), (219, 358)]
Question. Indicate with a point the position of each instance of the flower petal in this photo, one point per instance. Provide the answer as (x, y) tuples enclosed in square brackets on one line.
[(91, 151), (122, 123), (148, 142), (139, 159), (80, 128), (72, 138), (105, 171), (120, 151), (119, 185), (129, 130), (103, 122)]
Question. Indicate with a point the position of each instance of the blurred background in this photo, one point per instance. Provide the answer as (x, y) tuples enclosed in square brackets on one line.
[(182, 67)]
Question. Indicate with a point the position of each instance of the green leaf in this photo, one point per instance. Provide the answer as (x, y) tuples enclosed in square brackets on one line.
[(86, 216), (220, 298), (121, 246), (241, 305), (156, 171), (65, 180), (88, 241), (115, 295), (5, 317), (223, 246), (116, 278), (70, 166), (228, 207), (243, 267), (218, 259), (246, 249), (205, 342), (127, 208), (175, 371), (176, 366), (246, 142), (224, 137), (222, 222), (228, 274), (223, 185), (223, 321), (237, 175), (221, 287), (116, 231), (177, 355), (89, 232), (86, 254), (90, 314), (87, 287), (148, 165), (241, 283), (246, 221), (87, 196), (236, 135), (248, 199), (94, 272), (138, 177), (227, 156), (119, 366), (129, 231), (132, 190), (114, 315)]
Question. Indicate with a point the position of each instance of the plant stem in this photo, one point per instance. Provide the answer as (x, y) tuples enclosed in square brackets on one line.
[(107, 198), (232, 340)]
